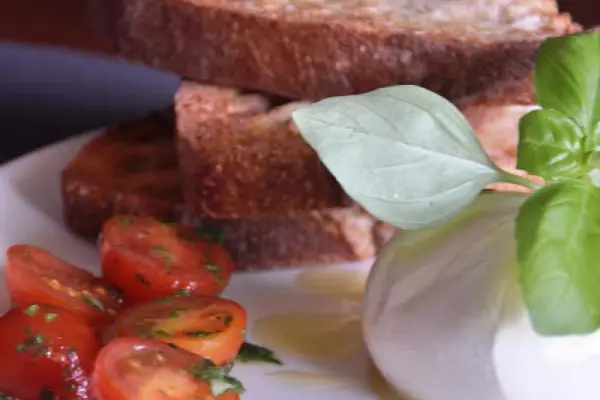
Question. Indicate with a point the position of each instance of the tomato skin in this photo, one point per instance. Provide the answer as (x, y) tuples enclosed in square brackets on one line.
[(208, 326), (148, 259), (34, 276), (129, 368), (44, 347)]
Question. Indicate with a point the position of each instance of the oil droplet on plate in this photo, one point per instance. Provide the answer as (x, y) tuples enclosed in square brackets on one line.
[(382, 387), (318, 337), (336, 283), (309, 380)]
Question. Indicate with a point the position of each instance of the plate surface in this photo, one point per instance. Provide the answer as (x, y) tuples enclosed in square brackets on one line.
[(31, 212)]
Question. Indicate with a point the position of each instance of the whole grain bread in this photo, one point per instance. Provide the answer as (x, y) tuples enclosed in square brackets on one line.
[(311, 49), (132, 168), (257, 164)]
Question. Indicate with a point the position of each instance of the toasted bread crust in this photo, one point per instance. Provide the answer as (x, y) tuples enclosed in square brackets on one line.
[(217, 42), (259, 165), (132, 168), (251, 167)]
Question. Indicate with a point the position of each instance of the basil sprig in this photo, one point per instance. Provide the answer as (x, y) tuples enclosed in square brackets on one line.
[(410, 158)]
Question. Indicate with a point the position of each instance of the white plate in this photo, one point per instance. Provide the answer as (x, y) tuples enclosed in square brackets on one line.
[(31, 212)]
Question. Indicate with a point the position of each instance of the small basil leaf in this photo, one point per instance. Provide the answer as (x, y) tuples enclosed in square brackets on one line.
[(406, 154), (254, 353), (567, 80), (225, 384), (557, 235), (551, 146)]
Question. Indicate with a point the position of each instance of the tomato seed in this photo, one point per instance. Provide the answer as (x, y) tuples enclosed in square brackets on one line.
[(54, 284), (100, 290)]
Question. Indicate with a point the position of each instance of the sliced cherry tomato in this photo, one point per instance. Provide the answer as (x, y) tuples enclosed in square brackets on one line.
[(35, 276), (133, 368), (211, 327), (46, 351), (148, 259)]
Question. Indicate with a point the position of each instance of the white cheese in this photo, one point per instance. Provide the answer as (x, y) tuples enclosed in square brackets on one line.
[(444, 320)]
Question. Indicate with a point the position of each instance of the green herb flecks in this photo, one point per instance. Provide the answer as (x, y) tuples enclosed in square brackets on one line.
[(31, 310), (183, 293), (142, 279), (212, 267), (92, 301), (254, 353), (218, 378), (145, 333), (34, 344), (161, 334), (49, 317), (123, 220), (212, 234), (164, 254), (199, 334), (226, 319), (47, 394)]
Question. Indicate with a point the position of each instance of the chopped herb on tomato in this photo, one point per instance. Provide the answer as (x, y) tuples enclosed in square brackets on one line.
[(143, 280), (199, 333), (211, 233), (34, 276), (31, 310), (254, 353), (39, 357), (125, 221), (219, 379), (212, 267), (159, 369), (165, 257), (211, 327), (33, 344), (92, 301), (49, 317), (47, 394)]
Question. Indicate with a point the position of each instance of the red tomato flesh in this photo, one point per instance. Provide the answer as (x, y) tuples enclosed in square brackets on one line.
[(148, 259), (211, 327), (45, 349), (131, 368), (35, 276)]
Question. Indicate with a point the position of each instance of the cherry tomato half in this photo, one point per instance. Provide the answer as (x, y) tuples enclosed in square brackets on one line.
[(35, 276), (46, 351), (211, 327), (133, 368), (148, 259)]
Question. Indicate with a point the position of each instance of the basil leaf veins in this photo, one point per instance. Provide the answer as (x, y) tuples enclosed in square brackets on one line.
[(406, 154), (567, 80), (557, 235), (551, 146)]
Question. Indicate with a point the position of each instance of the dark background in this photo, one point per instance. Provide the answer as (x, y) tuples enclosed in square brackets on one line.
[(50, 93)]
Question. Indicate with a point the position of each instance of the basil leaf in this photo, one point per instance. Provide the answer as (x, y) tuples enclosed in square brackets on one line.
[(551, 146), (406, 154), (225, 384), (254, 353), (557, 235), (567, 80)]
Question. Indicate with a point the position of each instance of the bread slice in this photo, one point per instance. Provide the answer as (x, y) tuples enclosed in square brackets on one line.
[(132, 168), (249, 167), (311, 49), (258, 164)]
